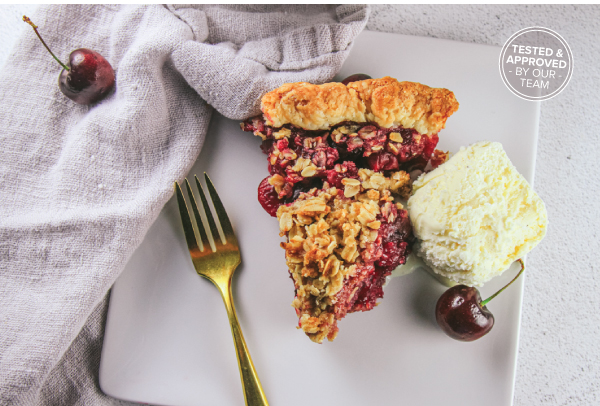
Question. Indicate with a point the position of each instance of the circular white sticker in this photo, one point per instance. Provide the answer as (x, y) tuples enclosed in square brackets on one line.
[(536, 63)]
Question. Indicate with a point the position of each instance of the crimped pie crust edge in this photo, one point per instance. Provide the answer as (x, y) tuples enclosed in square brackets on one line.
[(385, 101)]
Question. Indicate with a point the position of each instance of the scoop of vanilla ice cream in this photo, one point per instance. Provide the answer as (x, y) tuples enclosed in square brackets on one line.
[(475, 215)]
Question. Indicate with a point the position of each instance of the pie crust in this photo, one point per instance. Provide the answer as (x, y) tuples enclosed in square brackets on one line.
[(385, 101)]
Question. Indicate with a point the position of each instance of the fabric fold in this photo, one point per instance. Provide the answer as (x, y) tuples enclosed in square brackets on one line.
[(81, 185)]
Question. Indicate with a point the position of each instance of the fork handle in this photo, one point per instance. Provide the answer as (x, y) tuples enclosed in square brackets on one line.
[(253, 391)]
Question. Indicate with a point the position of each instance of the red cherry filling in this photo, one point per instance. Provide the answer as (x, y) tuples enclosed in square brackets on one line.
[(383, 161), (393, 246), (267, 197), (344, 170), (338, 153)]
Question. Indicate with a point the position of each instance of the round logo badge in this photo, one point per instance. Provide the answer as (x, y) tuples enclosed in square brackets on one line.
[(536, 63)]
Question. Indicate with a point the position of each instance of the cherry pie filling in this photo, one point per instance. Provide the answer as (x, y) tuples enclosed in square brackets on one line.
[(390, 250), (299, 159)]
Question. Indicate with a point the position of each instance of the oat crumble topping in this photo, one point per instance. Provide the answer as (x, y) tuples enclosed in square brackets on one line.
[(332, 234)]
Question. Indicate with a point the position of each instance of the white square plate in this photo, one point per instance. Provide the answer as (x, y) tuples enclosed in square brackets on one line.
[(168, 340)]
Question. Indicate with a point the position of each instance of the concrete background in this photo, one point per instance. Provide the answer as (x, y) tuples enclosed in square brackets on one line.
[(559, 354)]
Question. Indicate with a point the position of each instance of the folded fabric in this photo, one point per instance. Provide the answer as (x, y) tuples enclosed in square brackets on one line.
[(81, 185)]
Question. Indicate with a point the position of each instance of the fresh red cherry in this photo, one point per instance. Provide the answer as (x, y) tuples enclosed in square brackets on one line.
[(87, 78), (462, 314), (356, 78)]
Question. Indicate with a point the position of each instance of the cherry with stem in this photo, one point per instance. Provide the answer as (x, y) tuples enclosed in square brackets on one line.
[(86, 78), (462, 314)]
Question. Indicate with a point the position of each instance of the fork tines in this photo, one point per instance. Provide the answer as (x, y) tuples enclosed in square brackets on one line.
[(188, 225)]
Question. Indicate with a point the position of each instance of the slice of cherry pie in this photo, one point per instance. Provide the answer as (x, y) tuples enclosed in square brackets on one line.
[(336, 155)]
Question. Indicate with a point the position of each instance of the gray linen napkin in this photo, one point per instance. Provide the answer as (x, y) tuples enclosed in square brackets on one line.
[(81, 185)]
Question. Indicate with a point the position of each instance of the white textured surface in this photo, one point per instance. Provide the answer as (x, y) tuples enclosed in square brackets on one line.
[(11, 26), (559, 358)]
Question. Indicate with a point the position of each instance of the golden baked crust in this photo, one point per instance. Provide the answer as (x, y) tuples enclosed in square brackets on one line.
[(384, 101)]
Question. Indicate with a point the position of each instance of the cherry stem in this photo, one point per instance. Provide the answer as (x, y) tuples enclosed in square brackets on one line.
[(486, 301), (28, 21)]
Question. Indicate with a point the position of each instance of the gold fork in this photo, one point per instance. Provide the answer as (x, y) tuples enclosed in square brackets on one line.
[(218, 266)]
